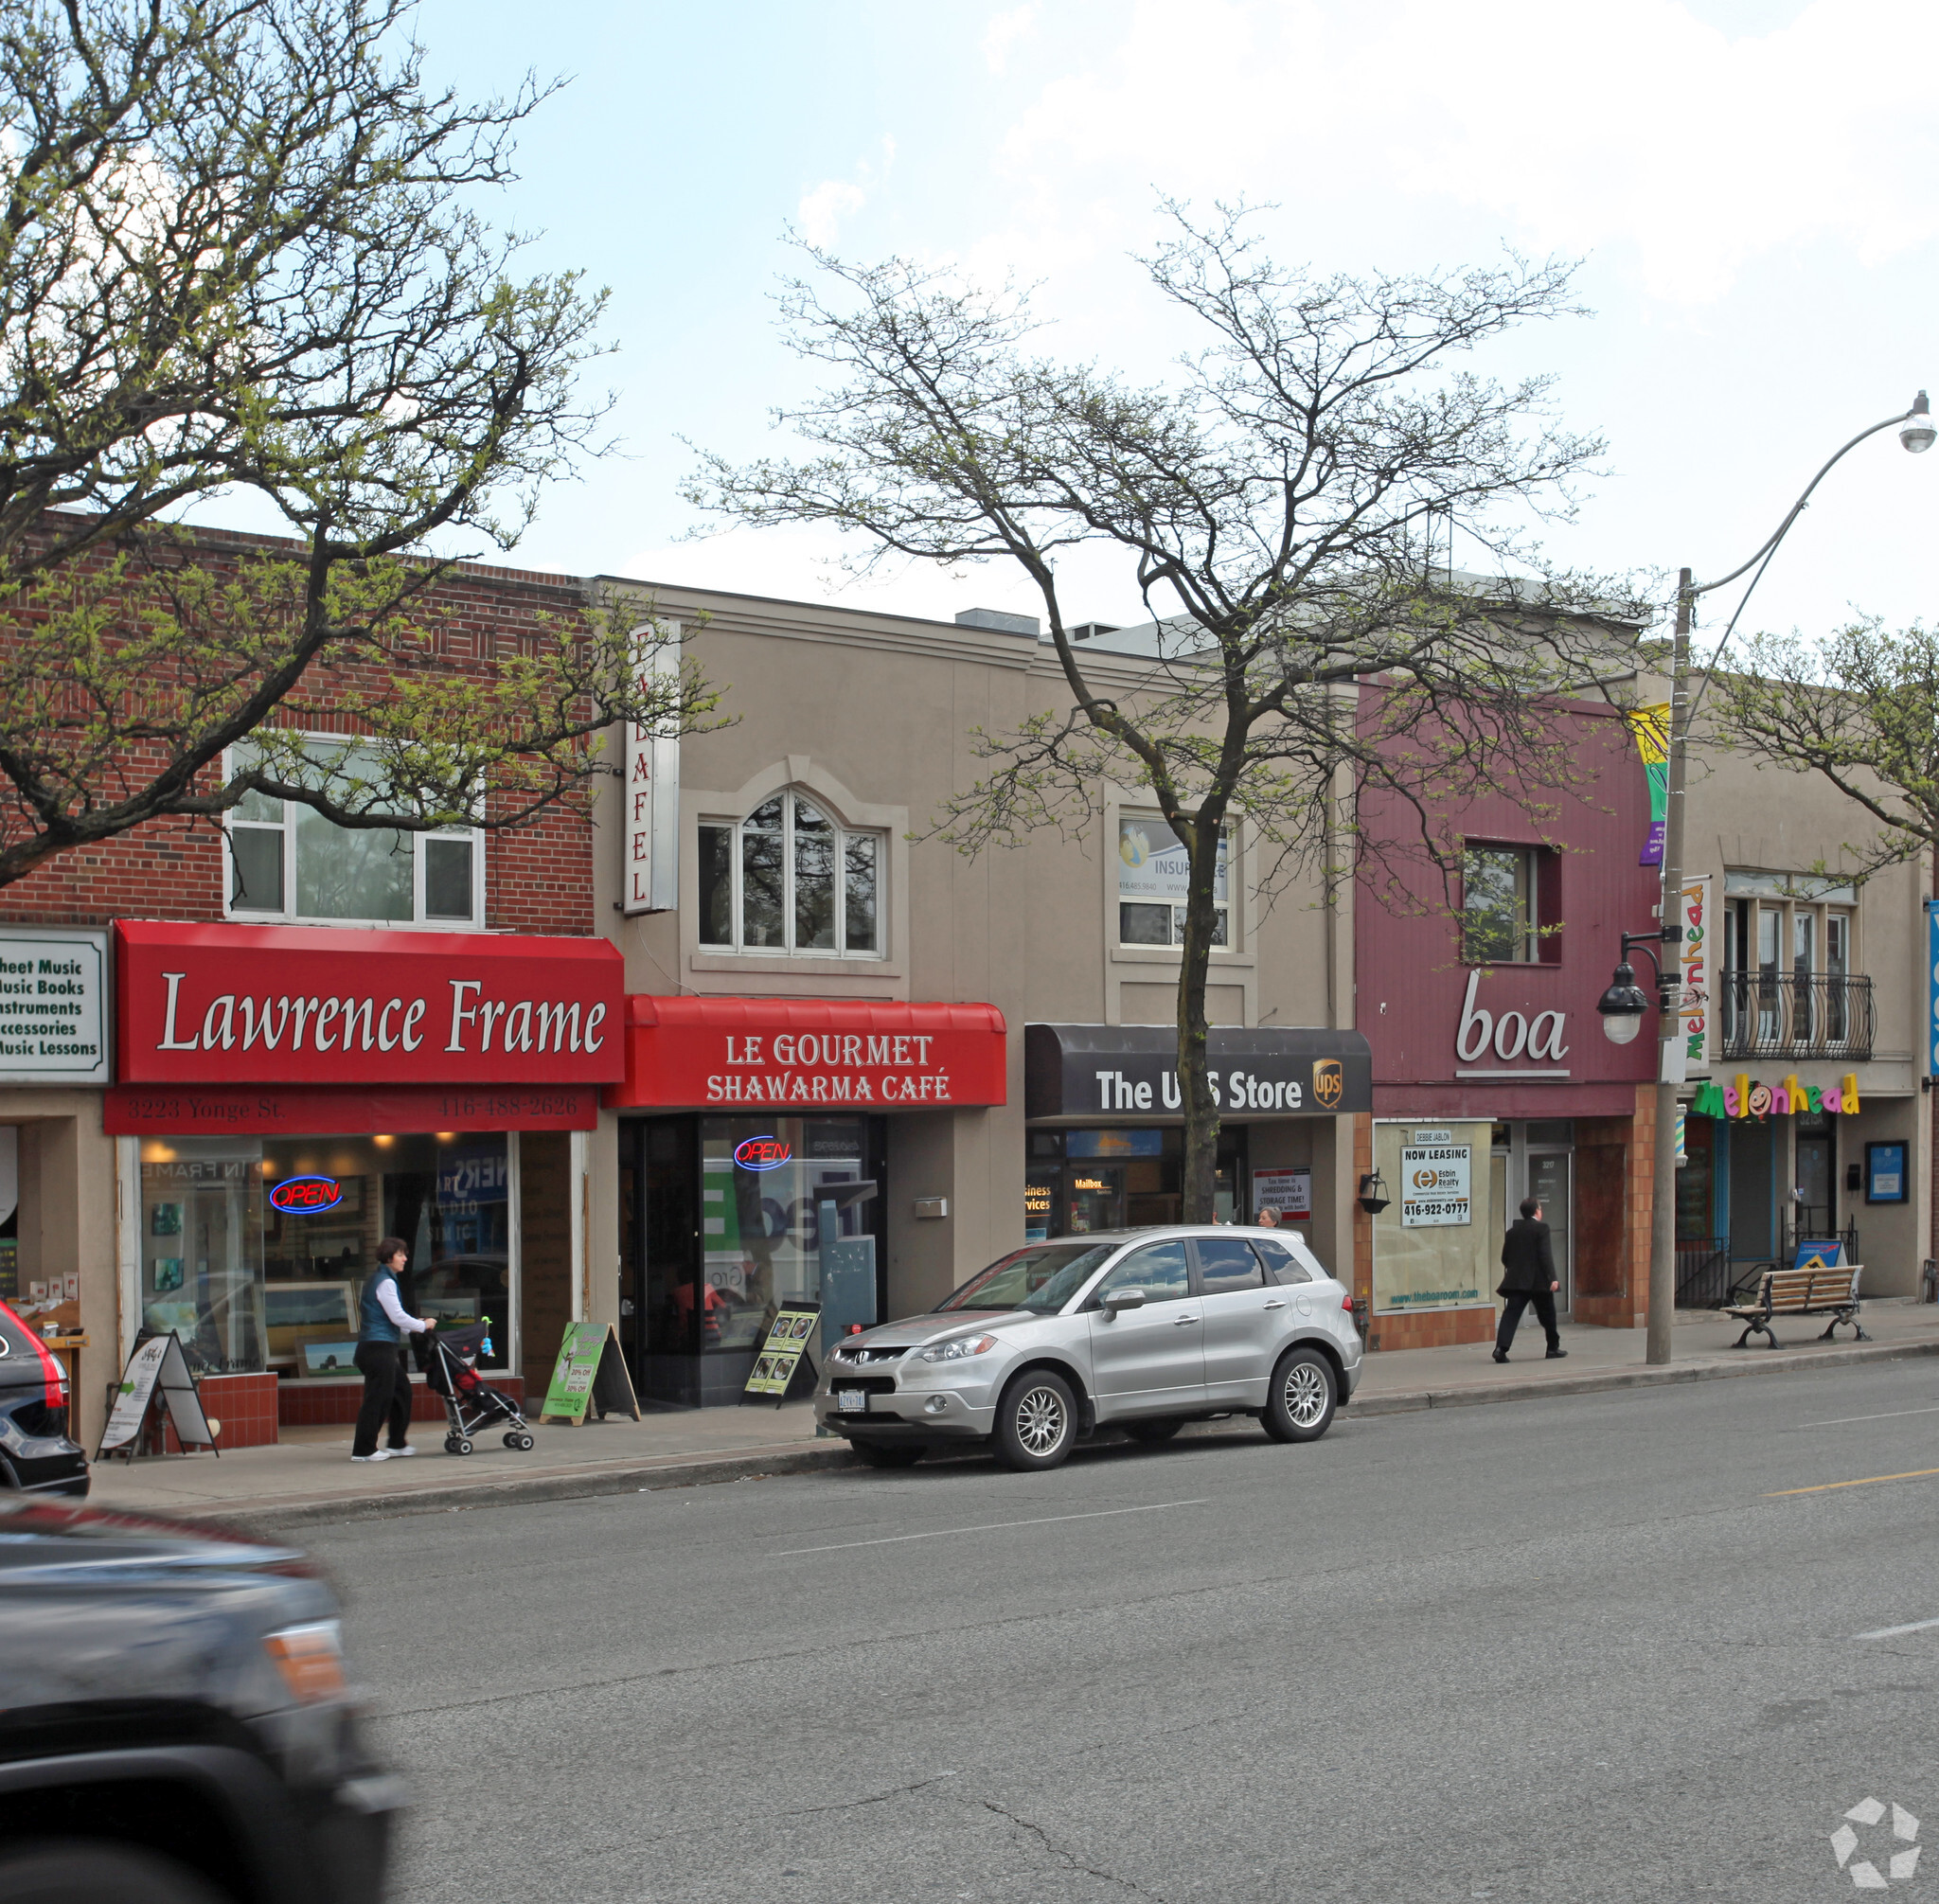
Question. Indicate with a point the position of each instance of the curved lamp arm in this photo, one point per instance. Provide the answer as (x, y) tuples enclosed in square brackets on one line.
[(1920, 409)]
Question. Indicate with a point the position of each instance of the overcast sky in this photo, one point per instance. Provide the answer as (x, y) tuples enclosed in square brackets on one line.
[(1752, 185)]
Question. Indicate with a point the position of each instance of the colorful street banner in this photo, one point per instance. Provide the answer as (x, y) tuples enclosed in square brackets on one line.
[(774, 1368), (1651, 727)]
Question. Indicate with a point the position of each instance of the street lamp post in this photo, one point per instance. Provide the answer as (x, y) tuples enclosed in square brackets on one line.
[(1916, 432)]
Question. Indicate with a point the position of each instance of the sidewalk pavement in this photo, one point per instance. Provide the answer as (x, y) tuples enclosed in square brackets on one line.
[(309, 1478)]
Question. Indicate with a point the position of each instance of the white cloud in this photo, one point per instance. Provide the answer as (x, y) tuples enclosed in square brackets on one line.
[(1637, 126), (1004, 31), (822, 209)]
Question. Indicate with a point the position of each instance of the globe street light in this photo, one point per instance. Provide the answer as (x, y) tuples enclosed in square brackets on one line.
[(1916, 433)]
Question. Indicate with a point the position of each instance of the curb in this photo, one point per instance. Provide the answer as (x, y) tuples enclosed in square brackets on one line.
[(1481, 1393), (267, 1517), (259, 1516)]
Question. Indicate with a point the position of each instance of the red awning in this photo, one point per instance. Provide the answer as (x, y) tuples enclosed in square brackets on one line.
[(810, 1053)]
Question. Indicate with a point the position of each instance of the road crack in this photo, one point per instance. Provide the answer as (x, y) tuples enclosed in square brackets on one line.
[(1069, 1860)]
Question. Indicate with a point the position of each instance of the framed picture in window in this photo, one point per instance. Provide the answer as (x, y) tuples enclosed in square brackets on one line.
[(1885, 1173)]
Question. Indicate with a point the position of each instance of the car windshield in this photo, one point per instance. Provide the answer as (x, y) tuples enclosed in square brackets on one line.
[(1043, 1277)]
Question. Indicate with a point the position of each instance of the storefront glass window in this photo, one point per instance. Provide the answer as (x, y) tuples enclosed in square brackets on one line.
[(764, 1182), (1120, 1179), (255, 1250)]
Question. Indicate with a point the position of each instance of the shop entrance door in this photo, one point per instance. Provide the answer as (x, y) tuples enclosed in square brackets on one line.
[(1549, 1180), (1537, 1159)]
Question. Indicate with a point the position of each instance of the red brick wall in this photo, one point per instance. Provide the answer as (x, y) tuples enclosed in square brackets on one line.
[(538, 879)]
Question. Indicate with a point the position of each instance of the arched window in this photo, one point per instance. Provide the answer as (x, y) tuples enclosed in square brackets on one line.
[(789, 880)]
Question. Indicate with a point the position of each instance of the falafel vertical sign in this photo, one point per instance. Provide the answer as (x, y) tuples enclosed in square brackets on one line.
[(649, 880)]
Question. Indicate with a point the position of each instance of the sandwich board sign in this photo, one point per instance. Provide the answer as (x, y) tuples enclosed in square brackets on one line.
[(590, 1373), (783, 1354), (158, 1372)]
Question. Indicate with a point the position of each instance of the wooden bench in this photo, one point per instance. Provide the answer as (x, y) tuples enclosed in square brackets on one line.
[(1802, 1293)]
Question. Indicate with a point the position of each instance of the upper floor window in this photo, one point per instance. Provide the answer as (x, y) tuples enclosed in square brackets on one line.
[(1151, 885), (789, 880), (288, 862), (1501, 908)]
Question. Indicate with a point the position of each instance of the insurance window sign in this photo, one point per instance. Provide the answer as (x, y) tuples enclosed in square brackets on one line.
[(1435, 1181), (53, 1008)]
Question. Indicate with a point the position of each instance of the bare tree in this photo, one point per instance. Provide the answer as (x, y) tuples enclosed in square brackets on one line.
[(239, 257), (1859, 709), (1273, 503)]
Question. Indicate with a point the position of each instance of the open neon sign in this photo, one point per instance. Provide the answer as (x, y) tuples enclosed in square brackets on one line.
[(762, 1153), (306, 1196)]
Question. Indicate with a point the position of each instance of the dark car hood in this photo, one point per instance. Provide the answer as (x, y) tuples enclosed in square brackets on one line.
[(40, 1538)]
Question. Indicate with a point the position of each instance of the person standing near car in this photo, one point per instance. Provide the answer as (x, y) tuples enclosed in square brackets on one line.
[(1528, 1262), (382, 1325)]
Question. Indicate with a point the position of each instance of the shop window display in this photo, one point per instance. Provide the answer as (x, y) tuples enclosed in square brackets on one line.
[(255, 1250), (760, 1222)]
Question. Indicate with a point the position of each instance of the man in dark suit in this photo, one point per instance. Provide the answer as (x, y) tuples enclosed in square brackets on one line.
[(1528, 1262)]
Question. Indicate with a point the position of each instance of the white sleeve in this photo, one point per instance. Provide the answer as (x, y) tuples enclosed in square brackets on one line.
[(387, 1301)]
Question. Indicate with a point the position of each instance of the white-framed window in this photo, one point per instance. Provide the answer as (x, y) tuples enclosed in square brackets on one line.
[(789, 880), (1151, 881), (289, 863)]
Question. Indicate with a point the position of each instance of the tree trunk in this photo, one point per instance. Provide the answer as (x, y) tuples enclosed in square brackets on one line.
[(1201, 1173)]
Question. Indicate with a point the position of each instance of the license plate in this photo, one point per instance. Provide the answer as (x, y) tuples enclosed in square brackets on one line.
[(852, 1400)]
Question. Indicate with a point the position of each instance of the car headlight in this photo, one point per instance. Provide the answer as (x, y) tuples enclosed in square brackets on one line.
[(958, 1347)]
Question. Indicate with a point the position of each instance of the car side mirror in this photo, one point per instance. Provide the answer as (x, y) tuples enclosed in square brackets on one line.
[(1123, 1299)]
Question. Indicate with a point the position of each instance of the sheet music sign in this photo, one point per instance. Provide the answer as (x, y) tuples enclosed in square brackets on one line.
[(156, 1372), (781, 1355)]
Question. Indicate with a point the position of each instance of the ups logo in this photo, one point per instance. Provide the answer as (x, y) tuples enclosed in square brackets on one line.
[(1329, 1082)]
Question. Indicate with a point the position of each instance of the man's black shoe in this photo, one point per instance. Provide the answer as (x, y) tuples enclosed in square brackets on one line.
[(1501, 1355), (1556, 1354)]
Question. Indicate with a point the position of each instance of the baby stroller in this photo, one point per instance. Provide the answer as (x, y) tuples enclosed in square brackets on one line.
[(470, 1402)]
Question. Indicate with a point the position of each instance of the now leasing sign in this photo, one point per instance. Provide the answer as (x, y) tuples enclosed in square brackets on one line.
[(290, 1005)]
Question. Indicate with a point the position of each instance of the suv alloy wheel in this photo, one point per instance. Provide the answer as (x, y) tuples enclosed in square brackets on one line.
[(1299, 1403), (1036, 1421)]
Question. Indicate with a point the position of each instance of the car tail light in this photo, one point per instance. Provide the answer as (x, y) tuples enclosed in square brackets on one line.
[(310, 1660), (1346, 1302), (56, 1377)]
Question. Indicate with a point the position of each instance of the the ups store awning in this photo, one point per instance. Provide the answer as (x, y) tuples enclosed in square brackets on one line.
[(1110, 1071)]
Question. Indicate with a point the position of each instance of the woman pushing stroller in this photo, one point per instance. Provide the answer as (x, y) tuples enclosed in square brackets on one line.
[(382, 1323)]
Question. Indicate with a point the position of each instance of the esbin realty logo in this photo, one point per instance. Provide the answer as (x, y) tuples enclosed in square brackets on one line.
[(1862, 1850)]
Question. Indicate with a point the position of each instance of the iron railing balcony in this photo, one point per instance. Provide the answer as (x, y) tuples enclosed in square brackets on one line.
[(1783, 1014)]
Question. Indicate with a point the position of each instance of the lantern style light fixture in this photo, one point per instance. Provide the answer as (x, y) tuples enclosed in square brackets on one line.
[(1373, 1193), (1623, 1007), (1917, 433)]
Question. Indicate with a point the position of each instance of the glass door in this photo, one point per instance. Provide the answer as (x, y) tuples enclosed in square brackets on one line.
[(1550, 1184)]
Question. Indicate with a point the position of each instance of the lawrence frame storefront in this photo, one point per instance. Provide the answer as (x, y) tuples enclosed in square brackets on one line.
[(289, 1095)]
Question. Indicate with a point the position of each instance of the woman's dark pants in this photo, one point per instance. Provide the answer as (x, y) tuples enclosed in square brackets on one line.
[(386, 1389)]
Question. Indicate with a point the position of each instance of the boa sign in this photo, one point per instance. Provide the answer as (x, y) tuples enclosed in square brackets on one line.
[(1746, 1097)]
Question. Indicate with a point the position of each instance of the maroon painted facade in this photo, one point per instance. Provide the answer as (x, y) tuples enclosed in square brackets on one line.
[(1422, 1007)]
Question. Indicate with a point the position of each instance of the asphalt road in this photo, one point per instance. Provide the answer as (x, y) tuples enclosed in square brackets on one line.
[(1582, 1648)]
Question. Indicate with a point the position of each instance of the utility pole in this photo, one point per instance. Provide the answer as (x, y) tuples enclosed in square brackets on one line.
[(1663, 1214)]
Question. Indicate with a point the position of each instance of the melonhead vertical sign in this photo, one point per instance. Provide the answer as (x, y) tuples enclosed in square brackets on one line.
[(649, 879), (1698, 962)]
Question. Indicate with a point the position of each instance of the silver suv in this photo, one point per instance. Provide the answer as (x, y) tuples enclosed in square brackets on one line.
[(1139, 1329)]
